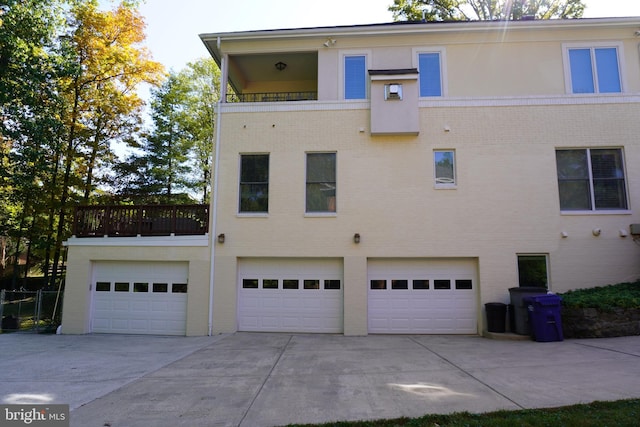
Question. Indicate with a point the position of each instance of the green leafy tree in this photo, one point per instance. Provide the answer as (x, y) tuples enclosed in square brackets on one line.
[(31, 65), (201, 79), (173, 161), (161, 171), (486, 10)]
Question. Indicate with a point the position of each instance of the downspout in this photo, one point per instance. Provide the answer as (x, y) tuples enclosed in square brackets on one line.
[(214, 214)]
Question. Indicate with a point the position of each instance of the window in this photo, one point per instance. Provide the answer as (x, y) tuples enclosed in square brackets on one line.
[(591, 179), (103, 286), (594, 70), (332, 284), (122, 287), (160, 287), (532, 270), (254, 183), (442, 284), (289, 284), (444, 167), (464, 284), (429, 68), (311, 284), (378, 284), (321, 182), (250, 283), (355, 77), (420, 284), (140, 287), (270, 284), (399, 284), (179, 288)]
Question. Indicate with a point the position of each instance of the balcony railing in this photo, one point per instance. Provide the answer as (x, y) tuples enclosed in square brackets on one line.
[(272, 97), (142, 220)]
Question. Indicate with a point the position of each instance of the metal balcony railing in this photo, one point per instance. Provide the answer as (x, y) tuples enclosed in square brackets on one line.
[(141, 220), (272, 97)]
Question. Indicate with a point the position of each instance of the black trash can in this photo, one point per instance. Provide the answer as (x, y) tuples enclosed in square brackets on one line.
[(544, 315), (520, 310), (496, 316)]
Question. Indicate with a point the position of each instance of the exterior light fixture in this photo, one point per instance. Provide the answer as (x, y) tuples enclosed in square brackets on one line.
[(280, 66), (221, 238), (356, 238)]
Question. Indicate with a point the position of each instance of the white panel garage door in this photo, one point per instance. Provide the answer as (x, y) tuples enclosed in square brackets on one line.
[(290, 295), (419, 296), (140, 297)]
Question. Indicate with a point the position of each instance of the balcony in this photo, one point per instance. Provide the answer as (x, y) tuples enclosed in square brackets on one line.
[(142, 220), (272, 97)]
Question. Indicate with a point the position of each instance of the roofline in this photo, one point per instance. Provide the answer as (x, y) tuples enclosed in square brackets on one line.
[(408, 27), (210, 40)]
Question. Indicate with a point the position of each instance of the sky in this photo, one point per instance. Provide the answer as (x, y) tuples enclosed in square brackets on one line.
[(173, 26)]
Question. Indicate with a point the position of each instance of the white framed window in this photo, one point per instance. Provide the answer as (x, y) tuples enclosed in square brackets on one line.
[(430, 63), (533, 270), (444, 167), (321, 183), (354, 75), (591, 179), (595, 68)]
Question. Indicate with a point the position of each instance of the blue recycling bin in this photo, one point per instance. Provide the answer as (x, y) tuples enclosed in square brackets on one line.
[(544, 317)]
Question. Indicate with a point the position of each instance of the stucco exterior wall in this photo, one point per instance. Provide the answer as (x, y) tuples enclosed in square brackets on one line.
[(506, 202)]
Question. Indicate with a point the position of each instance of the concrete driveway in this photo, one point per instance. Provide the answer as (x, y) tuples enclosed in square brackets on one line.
[(260, 379)]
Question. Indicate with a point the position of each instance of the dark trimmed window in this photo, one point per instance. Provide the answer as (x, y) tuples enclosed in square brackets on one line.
[(321, 182), (254, 183), (591, 179)]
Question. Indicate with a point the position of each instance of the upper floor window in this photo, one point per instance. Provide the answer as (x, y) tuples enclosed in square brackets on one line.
[(355, 77), (321, 183), (594, 69), (254, 183), (591, 179), (430, 69)]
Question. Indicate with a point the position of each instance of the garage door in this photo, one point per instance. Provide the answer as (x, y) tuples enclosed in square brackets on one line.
[(290, 295), (140, 297), (422, 296)]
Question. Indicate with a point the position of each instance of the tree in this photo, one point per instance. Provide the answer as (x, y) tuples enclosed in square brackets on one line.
[(30, 127), (109, 63), (486, 10), (201, 79), (175, 159), (68, 74)]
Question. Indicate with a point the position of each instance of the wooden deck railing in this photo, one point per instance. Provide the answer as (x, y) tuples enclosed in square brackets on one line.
[(141, 220)]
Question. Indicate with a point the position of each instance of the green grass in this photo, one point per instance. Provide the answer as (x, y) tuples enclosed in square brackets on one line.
[(622, 295), (596, 414)]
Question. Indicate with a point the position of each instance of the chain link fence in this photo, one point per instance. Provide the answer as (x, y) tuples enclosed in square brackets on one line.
[(31, 311)]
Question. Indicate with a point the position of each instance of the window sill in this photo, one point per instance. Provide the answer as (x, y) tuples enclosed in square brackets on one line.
[(598, 212), (320, 214), (252, 215), (445, 187)]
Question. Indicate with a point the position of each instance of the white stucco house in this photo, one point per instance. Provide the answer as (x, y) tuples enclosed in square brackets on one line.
[(388, 178)]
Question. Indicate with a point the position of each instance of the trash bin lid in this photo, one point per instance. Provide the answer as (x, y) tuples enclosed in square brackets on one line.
[(549, 299), (495, 304)]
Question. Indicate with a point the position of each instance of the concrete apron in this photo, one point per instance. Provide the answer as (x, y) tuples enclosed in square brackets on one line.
[(261, 379)]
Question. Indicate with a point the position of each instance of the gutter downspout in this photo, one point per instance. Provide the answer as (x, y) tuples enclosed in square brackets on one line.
[(214, 215)]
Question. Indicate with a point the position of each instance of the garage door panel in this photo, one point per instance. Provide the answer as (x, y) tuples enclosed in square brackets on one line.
[(266, 302), (422, 296), (138, 311)]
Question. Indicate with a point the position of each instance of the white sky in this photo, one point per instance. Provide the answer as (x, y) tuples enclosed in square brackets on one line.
[(173, 25)]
